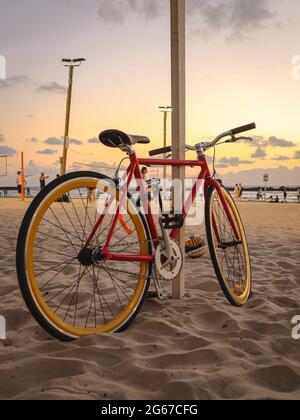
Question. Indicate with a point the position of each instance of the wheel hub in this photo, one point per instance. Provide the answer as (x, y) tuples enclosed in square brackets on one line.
[(90, 256), (85, 257)]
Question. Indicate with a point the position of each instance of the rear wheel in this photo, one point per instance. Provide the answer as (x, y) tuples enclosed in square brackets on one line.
[(68, 293), (231, 258)]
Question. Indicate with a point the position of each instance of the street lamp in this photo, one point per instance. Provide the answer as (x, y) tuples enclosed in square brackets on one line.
[(165, 110), (71, 63)]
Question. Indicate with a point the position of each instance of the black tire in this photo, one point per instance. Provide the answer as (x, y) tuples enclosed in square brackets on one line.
[(20, 257), (210, 238)]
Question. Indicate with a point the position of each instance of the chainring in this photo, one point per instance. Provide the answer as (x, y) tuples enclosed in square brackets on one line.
[(169, 270)]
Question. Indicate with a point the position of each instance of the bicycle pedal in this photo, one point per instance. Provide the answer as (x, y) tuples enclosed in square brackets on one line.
[(172, 221), (151, 295)]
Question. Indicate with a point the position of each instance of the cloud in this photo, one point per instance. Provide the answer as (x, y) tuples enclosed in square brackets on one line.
[(32, 140), (277, 142), (297, 155), (94, 140), (30, 116), (2, 138), (5, 150), (75, 142), (236, 17), (116, 11), (13, 81), (281, 158), (54, 141), (48, 152), (52, 87), (234, 161), (254, 177), (262, 143), (260, 153), (247, 16)]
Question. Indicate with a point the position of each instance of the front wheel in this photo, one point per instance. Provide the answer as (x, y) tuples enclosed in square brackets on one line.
[(67, 292), (229, 253)]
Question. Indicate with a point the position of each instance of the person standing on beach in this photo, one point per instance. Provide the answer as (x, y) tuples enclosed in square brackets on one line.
[(236, 192), (19, 184), (285, 195), (259, 195), (43, 180), (147, 183), (241, 190), (28, 192)]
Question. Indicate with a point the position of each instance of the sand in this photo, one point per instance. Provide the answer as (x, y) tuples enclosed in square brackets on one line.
[(196, 348)]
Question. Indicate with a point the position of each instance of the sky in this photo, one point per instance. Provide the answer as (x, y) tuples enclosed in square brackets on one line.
[(243, 65)]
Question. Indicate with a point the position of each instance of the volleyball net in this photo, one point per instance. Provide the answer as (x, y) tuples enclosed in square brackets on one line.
[(3, 165)]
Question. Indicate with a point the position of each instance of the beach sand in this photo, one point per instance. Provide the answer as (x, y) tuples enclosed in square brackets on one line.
[(196, 348)]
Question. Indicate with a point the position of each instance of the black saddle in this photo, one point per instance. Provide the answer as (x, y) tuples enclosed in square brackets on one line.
[(116, 138)]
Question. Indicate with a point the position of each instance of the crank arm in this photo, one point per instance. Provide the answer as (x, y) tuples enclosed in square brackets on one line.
[(158, 286), (166, 242)]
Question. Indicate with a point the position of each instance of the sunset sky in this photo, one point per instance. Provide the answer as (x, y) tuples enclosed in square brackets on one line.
[(239, 70)]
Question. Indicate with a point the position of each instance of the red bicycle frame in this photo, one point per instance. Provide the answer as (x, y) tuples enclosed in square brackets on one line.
[(134, 172)]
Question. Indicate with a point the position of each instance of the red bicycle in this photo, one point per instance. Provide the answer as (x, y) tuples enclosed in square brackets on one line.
[(87, 251)]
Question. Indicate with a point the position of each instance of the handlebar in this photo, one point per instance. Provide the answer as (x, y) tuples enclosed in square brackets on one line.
[(167, 150), (205, 146), (231, 133), (162, 151), (243, 129)]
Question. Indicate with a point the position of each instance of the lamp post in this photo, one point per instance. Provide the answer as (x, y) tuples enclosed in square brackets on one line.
[(70, 63), (165, 110)]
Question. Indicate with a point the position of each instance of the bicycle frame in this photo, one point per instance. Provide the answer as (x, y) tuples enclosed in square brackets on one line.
[(134, 172)]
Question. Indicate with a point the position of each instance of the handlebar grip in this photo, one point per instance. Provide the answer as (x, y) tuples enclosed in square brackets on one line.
[(162, 151), (242, 129)]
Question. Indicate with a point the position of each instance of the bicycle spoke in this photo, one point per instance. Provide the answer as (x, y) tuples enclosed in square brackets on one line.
[(55, 238), (59, 227), (53, 252), (48, 282), (104, 300)]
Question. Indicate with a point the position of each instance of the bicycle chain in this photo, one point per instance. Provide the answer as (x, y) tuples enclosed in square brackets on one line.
[(114, 270), (128, 244)]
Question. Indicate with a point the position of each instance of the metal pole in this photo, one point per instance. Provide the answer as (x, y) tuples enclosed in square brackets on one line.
[(165, 140), (178, 68), (165, 110), (67, 123)]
